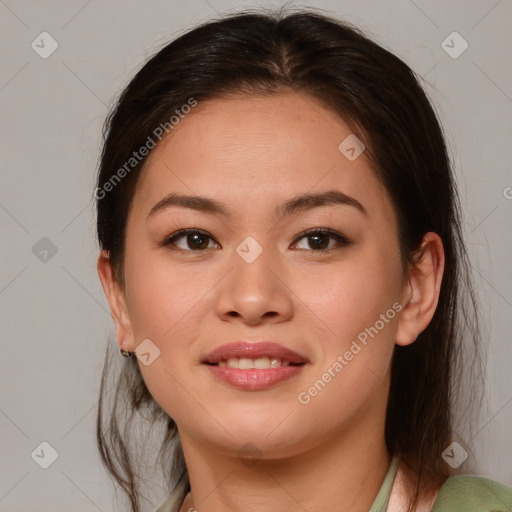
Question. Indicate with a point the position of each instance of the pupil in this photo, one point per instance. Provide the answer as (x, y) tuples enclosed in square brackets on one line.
[(199, 237), (316, 244)]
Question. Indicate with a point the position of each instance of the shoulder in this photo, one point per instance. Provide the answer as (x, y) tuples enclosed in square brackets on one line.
[(473, 494)]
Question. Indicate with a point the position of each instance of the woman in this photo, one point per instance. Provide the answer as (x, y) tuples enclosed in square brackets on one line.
[(282, 254)]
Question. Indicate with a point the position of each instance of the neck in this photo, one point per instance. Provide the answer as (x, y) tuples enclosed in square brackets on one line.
[(343, 473)]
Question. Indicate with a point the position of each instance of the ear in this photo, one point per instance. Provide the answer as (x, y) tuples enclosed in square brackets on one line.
[(421, 293), (117, 301)]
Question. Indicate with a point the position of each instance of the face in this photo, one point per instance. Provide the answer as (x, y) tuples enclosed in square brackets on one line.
[(259, 271)]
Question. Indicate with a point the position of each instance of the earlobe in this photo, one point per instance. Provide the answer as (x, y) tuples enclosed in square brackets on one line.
[(117, 303), (410, 318), (422, 290)]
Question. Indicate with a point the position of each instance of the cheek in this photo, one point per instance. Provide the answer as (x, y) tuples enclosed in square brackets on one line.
[(349, 296), (169, 308), (353, 307), (163, 300)]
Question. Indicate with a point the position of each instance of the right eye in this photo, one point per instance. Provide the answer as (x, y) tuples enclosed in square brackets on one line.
[(195, 239)]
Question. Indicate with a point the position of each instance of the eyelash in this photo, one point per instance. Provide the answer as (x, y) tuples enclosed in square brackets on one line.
[(342, 240)]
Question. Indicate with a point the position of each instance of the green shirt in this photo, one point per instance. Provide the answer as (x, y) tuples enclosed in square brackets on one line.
[(458, 494)]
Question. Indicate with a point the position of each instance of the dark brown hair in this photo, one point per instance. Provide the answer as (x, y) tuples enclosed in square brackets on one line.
[(262, 52)]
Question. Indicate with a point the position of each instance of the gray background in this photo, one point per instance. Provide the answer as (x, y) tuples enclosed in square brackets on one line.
[(55, 318)]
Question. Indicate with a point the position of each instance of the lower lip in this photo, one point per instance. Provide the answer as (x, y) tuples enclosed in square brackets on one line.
[(253, 379)]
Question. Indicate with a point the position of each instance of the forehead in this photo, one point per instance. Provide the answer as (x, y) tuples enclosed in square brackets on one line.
[(257, 150)]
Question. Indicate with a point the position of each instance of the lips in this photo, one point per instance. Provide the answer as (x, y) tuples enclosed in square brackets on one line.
[(254, 350)]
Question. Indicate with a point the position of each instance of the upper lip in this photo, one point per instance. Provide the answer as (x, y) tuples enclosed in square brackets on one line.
[(253, 350)]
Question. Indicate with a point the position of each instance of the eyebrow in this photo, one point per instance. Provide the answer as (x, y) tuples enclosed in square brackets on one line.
[(296, 204)]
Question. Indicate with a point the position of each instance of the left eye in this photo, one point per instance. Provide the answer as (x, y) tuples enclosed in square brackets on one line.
[(319, 237), (198, 240)]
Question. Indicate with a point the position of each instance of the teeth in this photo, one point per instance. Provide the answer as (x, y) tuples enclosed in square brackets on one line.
[(262, 363)]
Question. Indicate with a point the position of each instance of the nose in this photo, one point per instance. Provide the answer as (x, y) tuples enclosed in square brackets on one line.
[(256, 292)]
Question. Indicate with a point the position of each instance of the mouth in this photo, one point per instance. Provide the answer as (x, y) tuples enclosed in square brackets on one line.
[(244, 374), (252, 366), (261, 363), (259, 355)]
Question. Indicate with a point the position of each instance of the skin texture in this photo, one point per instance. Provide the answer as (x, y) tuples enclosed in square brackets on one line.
[(254, 153)]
